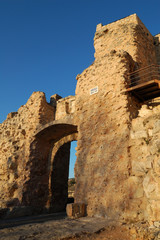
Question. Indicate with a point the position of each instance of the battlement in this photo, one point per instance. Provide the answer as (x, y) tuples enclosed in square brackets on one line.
[(131, 19), (129, 34)]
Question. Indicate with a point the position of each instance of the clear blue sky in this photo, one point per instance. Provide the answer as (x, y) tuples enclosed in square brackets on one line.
[(44, 44)]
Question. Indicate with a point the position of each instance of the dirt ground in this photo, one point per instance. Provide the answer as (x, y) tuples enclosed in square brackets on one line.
[(59, 227), (105, 234)]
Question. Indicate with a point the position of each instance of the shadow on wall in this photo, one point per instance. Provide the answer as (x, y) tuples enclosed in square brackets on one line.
[(59, 178), (36, 190)]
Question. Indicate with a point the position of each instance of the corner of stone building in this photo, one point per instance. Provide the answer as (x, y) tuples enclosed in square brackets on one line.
[(120, 48), (101, 132)]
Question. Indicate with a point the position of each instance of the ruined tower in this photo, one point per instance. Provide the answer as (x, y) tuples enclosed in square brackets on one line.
[(117, 166)]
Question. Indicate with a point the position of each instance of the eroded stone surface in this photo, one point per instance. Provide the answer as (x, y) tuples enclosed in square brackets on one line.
[(118, 151)]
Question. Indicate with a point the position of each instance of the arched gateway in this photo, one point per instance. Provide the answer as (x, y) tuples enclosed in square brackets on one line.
[(118, 149), (51, 150)]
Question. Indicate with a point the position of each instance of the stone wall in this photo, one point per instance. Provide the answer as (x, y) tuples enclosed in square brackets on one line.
[(65, 106), (144, 151), (128, 34), (103, 168), (118, 137), (16, 135), (102, 158), (33, 166)]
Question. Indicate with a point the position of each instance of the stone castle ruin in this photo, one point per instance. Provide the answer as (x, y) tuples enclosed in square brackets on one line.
[(115, 118)]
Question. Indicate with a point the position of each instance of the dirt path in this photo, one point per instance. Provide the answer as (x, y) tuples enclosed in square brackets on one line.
[(53, 226), (59, 227)]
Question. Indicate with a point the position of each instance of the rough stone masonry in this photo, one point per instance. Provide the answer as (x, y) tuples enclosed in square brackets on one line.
[(117, 170)]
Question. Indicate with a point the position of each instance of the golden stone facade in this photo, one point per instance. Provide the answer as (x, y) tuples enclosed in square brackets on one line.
[(118, 145)]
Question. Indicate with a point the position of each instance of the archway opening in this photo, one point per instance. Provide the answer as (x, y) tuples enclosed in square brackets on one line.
[(62, 176), (49, 166), (71, 179)]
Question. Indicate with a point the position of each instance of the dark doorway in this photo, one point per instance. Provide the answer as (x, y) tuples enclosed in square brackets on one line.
[(60, 176)]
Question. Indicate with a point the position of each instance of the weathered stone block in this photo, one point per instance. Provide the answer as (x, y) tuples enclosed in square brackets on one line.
[(138, 134), (137, 124), (156, 128), (141, 168), (144, 112), (76, 210), (157, 224), (153, 210), (151, 186), (135, 192)]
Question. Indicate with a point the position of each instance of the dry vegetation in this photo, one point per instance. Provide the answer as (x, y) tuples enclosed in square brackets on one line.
[(71, 187)]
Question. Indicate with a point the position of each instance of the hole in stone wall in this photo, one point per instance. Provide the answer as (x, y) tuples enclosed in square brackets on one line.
[(62, 177), (71, 179)]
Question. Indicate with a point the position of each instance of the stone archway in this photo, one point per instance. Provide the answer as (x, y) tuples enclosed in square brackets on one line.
[(59, 171), (51, 142)]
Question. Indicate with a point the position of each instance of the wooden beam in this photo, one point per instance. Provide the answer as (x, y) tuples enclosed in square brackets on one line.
[(145, 84)]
